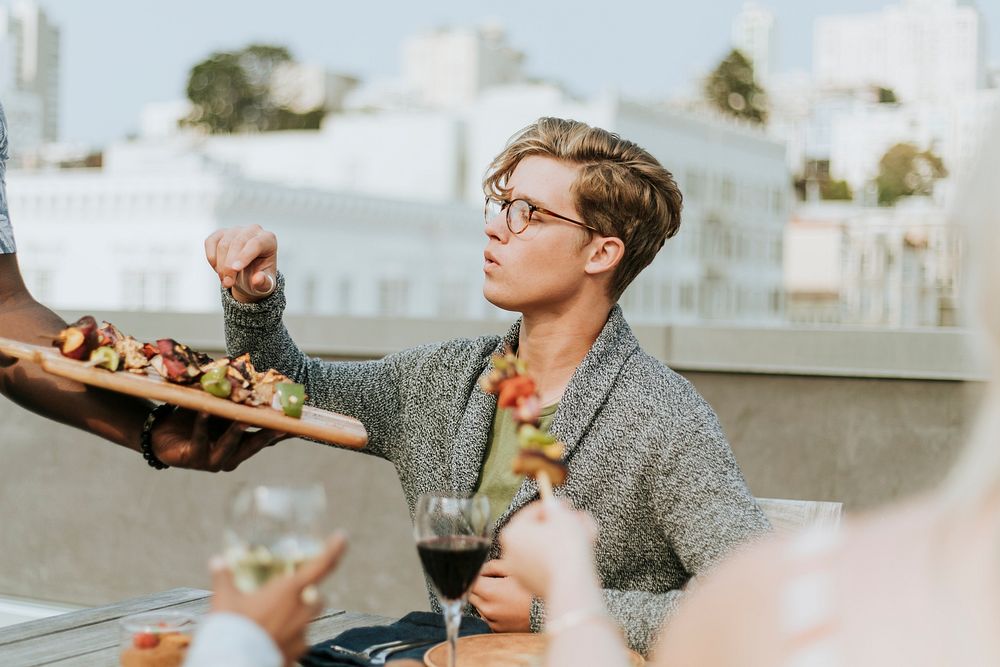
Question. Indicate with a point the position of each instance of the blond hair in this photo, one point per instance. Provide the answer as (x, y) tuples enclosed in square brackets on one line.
[(621, 189)]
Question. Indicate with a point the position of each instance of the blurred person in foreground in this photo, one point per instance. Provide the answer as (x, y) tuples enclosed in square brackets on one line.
[(178, 438), (916, 584), (572, 215), (266, 628)]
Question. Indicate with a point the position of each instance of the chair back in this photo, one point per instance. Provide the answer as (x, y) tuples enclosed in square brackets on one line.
[(789, 516)]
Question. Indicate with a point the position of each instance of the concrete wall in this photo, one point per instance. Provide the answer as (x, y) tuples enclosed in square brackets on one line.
[(863, 442), (85, 522), (88, 523)]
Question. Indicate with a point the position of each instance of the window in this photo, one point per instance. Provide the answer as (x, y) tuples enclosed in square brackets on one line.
[(693, 184), (777, 201), (666, 298), (728, 190), (648, 299), (393, 296), (133, 285), (776, 301), (687, 298), (39, 283), (167, 291), (343, 296), (148, 291), (309, 294), (630, 298)]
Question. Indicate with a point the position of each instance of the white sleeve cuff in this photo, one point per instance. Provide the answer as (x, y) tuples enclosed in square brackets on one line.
[(233, 640)]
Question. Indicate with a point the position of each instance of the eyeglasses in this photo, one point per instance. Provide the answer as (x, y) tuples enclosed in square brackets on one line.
[(520, 212)]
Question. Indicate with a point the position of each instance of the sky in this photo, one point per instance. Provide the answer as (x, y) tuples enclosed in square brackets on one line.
[(120, 54)]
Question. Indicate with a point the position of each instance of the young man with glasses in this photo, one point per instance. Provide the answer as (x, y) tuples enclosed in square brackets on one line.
[(573, 214)]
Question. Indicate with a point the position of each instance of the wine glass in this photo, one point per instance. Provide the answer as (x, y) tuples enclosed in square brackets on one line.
[(453, 534), (271, 531)]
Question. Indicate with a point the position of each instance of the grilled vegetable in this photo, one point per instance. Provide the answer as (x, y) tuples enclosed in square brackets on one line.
[(216, 383), (105, 357), (291, 397), (79, 339)]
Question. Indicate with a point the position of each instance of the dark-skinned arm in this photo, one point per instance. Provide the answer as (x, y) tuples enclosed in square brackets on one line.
[(186, 439)]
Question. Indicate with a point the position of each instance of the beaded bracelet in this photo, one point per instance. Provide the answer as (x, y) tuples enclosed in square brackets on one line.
[(146, 440)]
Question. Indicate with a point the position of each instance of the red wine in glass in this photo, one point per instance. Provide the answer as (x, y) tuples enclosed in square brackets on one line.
[(452, 562)]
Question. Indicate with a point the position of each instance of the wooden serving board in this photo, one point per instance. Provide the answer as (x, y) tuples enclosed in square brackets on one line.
[(506, 649), (315, 423)]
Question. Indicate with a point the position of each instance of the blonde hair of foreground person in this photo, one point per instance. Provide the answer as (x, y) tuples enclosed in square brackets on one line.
[(917, 584)]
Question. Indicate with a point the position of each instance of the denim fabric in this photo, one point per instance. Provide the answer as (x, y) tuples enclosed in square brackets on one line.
[(6, 231)]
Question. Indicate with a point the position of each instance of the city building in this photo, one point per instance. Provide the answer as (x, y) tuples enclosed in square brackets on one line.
[(920, 49), (29, 67), (953, 130), (303, 87), (753, 33), (450, 67), (122, 238), (410, 179), (873, 266)]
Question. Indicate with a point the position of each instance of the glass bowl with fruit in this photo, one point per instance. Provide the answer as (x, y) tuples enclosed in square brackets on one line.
[(156, 639)]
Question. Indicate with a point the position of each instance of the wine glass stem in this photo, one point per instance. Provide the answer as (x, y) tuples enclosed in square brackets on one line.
[(452, 621)]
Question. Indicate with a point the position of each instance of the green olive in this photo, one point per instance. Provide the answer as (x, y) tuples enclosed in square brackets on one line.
[(291, 397), (216, 383), (105, 357)]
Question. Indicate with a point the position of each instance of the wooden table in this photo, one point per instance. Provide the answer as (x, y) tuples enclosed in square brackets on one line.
[(90, 636)]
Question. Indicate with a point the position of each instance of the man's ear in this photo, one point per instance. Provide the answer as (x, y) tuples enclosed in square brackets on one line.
[(605, 254)]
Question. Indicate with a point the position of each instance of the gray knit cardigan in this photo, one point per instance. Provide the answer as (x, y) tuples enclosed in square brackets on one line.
[(647, 458)]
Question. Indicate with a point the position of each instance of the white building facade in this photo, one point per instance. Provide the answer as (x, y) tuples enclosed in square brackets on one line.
[(869, 266), (413, 239), (922, 49), (724, 265), (450, 67), (127, 240), (952, 130)]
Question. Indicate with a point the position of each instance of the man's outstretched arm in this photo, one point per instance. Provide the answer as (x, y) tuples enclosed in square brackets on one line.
[(184, 439)]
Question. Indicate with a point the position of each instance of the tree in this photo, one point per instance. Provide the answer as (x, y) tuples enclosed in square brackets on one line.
[(905, 171), (731, 89), (886, 95), (231, 92), (817, 174), (835, 190)]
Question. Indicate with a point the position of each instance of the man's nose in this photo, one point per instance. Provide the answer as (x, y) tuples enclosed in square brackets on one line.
[(496, 227)]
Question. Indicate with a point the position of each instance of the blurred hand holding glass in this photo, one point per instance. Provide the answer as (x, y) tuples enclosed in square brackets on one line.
[(272, 530)]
